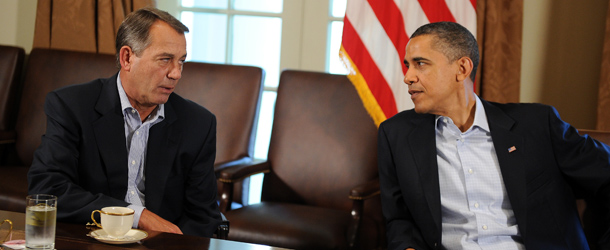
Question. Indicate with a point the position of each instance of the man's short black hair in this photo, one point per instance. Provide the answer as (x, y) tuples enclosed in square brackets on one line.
[(453, 40)]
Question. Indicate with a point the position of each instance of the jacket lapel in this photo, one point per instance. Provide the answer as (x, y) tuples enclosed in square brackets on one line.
[(426, 163), (509, 148), (162, 146), (109, 132)]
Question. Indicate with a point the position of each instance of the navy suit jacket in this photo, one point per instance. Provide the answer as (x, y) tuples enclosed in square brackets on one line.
[(550, 161), (83, 158)]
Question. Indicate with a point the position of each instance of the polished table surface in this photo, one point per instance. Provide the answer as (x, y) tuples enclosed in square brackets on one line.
[(74, 236)]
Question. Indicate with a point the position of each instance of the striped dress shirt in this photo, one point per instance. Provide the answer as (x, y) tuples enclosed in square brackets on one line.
[(476, 212), (136, 135)]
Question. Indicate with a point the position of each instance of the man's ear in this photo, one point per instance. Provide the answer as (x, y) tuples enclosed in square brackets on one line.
[(465, 67), (126, 57)]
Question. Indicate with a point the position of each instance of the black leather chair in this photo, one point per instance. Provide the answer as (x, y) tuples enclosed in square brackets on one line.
[(46, 70), (233, 93), (321, 187), (11, 65)]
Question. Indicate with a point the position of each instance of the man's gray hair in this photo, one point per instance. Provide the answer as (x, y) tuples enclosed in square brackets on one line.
[(135, 29)]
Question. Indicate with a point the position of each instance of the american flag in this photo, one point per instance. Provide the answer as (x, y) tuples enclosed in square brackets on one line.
[(375, 34)]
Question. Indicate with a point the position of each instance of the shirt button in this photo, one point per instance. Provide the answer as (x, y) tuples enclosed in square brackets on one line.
[(133, 162), (484, 227), (137, 132), (470, 171), (133, 111), (132, 192), (476, 204), (445, 120)]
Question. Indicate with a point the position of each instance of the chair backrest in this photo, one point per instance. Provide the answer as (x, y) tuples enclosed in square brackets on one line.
[(602, 136), (48, 70), (233, 94), (11, 64), (323, 142)]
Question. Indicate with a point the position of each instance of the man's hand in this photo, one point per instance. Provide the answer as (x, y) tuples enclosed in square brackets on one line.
[(151, 221)]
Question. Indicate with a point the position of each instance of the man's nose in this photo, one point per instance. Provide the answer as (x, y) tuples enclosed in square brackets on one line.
[(175, 73), (410, 77)]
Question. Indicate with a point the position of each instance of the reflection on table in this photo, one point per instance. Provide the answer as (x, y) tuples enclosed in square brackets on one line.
[(74, 236)]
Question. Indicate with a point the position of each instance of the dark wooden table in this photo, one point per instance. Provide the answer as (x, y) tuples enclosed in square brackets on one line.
[(74, 236)]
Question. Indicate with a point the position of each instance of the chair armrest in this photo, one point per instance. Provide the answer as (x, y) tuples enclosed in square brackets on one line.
[(219, 166), (365, 191), (237, 172), (358, 194), (232, 174), (7, 137)]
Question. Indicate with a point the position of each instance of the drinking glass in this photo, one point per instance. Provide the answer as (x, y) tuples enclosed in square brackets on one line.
[(40, 218)]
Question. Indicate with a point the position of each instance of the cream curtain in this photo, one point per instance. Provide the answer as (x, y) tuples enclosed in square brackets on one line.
[(82, 25), (499, 33)]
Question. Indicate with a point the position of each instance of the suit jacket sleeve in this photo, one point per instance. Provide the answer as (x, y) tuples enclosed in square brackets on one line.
[(586, 164), (402, 232), (201, 215), (55, 166)]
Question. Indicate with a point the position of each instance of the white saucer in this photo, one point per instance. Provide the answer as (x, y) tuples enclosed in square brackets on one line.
[(134, 235)]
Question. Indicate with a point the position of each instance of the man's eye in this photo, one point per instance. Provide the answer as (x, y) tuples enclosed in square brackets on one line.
[(420, 63)]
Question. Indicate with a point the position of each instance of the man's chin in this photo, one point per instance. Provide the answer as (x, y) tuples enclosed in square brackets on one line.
[(157, 103), (162, 99), (419, 110)]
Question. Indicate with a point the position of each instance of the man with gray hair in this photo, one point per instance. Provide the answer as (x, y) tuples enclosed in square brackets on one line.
[(128, 140), (458, 172)]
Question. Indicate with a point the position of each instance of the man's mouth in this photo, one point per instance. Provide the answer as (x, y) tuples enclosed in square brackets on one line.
[(167, 89), (414, 93)]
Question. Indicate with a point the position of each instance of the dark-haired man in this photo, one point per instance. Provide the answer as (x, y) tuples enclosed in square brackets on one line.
[(128, 140), (458, 172)]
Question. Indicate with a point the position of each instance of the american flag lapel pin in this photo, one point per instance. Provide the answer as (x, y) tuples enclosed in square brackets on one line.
[(512, 149)]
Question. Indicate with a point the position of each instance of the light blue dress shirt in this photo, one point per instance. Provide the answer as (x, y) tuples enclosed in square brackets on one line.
[(476, 212), (136, 135)]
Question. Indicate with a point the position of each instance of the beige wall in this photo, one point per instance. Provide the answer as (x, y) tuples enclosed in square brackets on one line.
[(17, 18), (562, 43)]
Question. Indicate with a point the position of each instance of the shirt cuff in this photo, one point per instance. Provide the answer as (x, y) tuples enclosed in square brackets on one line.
[(136, 216)]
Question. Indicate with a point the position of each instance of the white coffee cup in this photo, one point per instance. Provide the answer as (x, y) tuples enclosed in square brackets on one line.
[(115, 221)]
